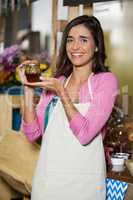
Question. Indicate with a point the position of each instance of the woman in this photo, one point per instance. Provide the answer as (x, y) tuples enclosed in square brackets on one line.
[(81, 96)]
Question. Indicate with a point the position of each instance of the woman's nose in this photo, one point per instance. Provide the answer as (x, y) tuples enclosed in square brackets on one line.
[(76, 45)]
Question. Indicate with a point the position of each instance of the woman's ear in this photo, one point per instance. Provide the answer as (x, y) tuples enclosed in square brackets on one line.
[(96, 49)]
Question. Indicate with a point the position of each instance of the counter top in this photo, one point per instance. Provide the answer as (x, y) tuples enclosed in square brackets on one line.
[(122, 176)]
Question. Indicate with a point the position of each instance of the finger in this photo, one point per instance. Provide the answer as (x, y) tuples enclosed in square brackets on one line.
[(35, 61), (21, 69), (41, 78), (23, 64), (45, 78), (22, 76), (26, 62), (45, 84), (35, 84)]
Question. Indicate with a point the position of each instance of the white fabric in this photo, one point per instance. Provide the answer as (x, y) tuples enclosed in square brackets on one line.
[(67, 170)]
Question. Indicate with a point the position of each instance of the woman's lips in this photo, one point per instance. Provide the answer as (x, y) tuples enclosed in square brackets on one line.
[(76, 55)]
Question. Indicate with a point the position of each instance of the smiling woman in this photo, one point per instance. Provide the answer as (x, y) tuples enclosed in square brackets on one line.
[(90, 35), (80, 46), (76, 103)]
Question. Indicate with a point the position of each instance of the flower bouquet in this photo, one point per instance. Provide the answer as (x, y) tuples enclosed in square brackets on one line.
[(9, 61)]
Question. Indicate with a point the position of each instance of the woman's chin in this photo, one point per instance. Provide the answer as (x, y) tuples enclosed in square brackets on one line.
[(77, 65)]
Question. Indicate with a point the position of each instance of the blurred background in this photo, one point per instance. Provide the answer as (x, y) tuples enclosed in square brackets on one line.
[(33, 29)]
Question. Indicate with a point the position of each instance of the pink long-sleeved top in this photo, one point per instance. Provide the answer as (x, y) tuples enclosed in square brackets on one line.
[(104, 90)]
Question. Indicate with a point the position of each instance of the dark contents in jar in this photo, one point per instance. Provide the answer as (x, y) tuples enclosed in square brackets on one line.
[(33, 77), (32, 72)]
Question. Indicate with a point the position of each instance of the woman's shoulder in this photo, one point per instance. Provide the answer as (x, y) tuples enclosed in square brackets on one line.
[(105, 77), (105, 80)]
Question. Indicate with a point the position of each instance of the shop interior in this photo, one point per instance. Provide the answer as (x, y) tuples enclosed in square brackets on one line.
[(33, 29)]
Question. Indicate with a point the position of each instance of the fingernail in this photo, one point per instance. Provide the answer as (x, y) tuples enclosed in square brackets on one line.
[(21, 65), (41, 78)]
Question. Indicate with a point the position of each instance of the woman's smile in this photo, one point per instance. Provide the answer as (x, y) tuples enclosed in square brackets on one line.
[(77, 55), (80, 46)]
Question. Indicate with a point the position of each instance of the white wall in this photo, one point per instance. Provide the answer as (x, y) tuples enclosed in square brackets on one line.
[(41, 17)]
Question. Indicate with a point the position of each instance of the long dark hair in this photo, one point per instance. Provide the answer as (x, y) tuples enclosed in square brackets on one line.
[(64, 65)]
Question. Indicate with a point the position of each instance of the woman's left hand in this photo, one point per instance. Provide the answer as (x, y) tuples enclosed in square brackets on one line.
[(52, 84)]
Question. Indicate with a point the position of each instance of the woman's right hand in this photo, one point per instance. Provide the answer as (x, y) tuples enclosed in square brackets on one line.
[(28, 106), (21, 71)]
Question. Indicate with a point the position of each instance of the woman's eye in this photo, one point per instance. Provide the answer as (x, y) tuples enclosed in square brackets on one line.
[(69, 40), (84, 40)]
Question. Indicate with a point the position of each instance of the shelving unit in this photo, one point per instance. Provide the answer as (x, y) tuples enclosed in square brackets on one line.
[(59, 25)]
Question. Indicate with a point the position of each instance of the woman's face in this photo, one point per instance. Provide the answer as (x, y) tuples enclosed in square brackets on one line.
[(80, 46)]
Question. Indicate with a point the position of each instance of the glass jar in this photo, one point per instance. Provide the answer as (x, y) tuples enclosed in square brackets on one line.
[(32, 72)]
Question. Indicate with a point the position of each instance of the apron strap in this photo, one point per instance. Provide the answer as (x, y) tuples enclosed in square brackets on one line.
[(90, 86), (67, 80), (49, 110)]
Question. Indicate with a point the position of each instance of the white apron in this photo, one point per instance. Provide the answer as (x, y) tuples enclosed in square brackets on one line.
[(66, 170)]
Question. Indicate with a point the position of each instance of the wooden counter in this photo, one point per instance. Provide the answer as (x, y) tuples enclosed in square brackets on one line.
[(122, 176)]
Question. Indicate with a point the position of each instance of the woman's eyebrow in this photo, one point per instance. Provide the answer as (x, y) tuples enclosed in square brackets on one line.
[(81, 36), (84, 37), (69, 36)]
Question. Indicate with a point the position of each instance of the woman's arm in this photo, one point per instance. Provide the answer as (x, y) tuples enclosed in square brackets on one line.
[(32, 115), (30, 123), (34, 128), (85, 128), (28, 111)]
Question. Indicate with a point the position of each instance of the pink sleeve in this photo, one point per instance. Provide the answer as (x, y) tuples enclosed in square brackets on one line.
[(35, 129), (85, 128)]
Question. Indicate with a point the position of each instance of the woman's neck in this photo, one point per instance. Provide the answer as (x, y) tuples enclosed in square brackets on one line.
[(80, 75)]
